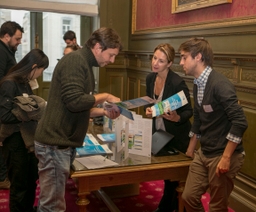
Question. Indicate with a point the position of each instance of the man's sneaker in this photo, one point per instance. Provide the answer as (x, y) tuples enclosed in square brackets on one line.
[(5, 184)]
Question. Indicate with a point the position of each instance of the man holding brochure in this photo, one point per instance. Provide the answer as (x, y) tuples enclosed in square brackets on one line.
[(70, 105), (161, 84)]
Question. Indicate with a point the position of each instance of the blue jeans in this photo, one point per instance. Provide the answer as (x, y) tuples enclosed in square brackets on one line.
[(54, 169)]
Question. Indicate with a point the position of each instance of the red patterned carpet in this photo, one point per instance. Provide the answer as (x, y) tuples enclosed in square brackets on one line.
[(146, 201)]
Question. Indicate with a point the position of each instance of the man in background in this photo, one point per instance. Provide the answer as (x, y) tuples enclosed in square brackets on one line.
[(219, 122), (70, 38), (10, 39), (70, 105)]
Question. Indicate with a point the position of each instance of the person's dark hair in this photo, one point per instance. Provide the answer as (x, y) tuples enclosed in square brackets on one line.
[(21, 71), (69, 35), (10, 28), (168, 50), (198, 45), (106, 37)]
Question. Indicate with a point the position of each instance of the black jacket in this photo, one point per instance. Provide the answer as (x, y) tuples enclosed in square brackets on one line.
[(7, 59), (9, 122), (173, 84)]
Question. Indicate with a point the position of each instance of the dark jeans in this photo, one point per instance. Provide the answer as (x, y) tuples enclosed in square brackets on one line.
[(3, 168), (22, 173)]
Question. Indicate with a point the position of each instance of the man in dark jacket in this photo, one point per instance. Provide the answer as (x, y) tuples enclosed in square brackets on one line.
[(219, 122), (10, 38)]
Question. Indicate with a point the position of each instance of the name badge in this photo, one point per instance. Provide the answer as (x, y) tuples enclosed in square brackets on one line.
[(207, 108)]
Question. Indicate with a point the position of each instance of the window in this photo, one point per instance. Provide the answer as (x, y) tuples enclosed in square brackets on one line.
[(54, 27), (51, 27), (65, 26)]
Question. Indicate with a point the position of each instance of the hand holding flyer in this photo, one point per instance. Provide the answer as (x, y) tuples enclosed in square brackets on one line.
[(172, 103), (124, 106)]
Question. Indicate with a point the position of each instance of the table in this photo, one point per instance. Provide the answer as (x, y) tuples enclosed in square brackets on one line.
[(135, 169)]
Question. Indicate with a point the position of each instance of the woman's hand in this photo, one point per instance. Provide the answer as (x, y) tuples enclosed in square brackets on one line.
[(149, 112)]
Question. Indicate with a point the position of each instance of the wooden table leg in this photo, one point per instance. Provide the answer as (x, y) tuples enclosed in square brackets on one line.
[(180, 190), (82, 201)]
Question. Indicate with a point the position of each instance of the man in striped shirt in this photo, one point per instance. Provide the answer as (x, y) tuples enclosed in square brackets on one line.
[(219, 124)]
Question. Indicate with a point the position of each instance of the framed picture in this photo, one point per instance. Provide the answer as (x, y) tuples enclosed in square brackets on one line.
[(186, 5)]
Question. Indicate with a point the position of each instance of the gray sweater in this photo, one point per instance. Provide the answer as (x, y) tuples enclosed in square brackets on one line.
[(67, 113), (218, 115)]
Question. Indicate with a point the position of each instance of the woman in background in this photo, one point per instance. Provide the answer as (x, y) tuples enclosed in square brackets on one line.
[(161, 84), (21, 161), (69, 49)]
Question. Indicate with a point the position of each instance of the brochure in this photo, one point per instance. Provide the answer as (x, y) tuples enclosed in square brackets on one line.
[(93, 150), (108, 125), (92, 147), (124, 106), (138, 102), (107, 137), (96, 162), (172, 103), (140, 136), (90, 140), (122, 132), (133, 137)]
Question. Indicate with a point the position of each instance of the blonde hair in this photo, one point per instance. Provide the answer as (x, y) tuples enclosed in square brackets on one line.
[(168, 50)]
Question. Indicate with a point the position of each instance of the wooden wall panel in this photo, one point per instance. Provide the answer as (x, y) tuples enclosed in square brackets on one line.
[(116, 81), (232, 36), (142, 92), (131, 87)]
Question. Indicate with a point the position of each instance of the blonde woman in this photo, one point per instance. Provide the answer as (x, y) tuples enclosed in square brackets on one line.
[(161, 84)]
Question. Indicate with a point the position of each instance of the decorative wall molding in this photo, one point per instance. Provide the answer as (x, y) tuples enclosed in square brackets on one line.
[(240, 69), (181, 6), (243, 197), (232, 26)]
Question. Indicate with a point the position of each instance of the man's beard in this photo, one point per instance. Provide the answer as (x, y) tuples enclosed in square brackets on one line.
[(12, 48)]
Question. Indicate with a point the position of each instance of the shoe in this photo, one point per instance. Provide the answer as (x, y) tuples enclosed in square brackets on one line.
[(5, 184)]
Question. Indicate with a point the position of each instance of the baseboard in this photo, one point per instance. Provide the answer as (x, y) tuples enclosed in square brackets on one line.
[(243, 197)]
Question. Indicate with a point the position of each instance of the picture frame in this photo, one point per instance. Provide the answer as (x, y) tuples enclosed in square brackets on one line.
[(187, 5)]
